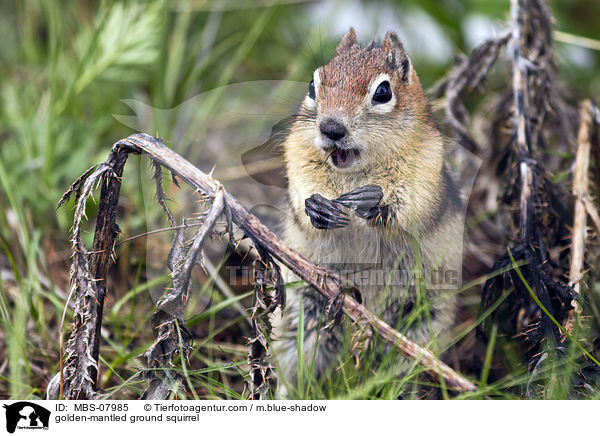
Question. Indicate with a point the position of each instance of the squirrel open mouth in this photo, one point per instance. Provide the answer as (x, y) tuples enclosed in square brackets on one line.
[(344, 157)]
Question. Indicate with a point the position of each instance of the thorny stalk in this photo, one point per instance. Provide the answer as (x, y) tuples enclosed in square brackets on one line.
[(79, 377), (172, 337), (536, 110), (521, 121), (583, 204), (469, 73)]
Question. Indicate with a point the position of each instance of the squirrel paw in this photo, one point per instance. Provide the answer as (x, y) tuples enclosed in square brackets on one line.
[(364, 201), (324, 213)]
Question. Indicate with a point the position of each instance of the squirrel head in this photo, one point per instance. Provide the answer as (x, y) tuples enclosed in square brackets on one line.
[(362, 103)]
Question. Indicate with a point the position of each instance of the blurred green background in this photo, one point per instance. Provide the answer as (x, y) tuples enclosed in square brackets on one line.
[(65, 65)]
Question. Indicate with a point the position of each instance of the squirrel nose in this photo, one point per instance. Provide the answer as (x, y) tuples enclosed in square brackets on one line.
[(332, 129)]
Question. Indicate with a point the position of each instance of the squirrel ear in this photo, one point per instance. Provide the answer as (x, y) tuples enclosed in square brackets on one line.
[(395, 56), (347, 42)]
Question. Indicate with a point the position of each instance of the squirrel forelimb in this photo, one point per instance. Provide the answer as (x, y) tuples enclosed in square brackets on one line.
[(364, 201)]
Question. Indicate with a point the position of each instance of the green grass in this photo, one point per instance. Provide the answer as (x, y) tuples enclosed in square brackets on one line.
[(380, 374)]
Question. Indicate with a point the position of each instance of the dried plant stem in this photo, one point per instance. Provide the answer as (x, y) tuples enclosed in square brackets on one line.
[(520, 99), (79, 377), (580, 192), (592, 211), (469, 73), (168, 320), (536, 109)]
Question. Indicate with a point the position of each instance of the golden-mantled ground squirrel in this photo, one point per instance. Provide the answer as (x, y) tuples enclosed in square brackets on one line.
[(371, 197)]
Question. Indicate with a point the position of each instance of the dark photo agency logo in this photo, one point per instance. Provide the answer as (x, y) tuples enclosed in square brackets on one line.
[(26, 415)]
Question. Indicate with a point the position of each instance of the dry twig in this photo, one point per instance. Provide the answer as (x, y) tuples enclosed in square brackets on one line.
[(583, 205), (78, 378), (168, 320), (469, 73), (533, 202)]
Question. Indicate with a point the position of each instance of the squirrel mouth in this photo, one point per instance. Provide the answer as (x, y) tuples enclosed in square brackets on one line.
[(344, 157)]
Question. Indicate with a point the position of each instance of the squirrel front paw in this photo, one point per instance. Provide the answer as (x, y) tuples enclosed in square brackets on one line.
[(364, 201), (324, 213)]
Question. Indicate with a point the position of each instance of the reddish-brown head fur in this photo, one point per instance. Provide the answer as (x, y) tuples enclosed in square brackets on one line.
[(345, 80), (344, 119)]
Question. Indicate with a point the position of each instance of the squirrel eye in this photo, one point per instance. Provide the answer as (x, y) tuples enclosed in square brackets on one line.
[(383, 93), (311, 89)]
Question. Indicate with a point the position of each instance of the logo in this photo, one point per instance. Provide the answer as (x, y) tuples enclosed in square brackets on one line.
[(26, 415)]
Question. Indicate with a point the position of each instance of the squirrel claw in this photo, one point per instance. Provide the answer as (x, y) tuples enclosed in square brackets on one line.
[(371, 194), (324, 213), (364, 201)]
